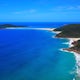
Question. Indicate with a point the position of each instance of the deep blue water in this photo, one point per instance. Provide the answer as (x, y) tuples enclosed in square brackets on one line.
[(34, 55), (40, 24)]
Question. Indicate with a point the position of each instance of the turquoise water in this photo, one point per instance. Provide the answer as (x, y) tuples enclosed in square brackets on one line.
[(34, 55)]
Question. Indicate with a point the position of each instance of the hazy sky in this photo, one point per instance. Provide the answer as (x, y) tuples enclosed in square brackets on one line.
[(40, 10)]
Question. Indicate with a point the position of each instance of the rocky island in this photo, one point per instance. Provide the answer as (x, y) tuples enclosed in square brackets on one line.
[(10, 26), (70, 31)]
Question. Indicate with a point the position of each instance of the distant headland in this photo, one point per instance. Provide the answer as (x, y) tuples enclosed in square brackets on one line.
[(71, 32), (10, 26)]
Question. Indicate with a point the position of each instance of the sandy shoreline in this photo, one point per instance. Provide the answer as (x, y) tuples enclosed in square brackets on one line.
[(76, 55), (48, 29)]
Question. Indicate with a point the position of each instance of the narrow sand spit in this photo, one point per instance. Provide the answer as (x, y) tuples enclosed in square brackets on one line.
[(48, 29)]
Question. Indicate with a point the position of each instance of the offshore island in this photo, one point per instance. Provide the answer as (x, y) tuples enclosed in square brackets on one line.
[(71, 32), (3, 26)]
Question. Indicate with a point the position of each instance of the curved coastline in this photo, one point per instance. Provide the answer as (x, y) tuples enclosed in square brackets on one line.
[(57, 32), (76, 55)]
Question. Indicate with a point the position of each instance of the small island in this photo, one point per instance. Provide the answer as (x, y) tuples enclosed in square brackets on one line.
[(10, 26), (70, 31)]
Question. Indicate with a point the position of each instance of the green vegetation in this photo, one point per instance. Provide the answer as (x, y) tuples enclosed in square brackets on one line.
[(71, 30)]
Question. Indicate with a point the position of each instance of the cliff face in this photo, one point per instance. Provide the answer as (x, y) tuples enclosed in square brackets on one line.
[(75, 48)]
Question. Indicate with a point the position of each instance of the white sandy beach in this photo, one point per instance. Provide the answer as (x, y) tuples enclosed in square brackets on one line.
[(57, 32), (48, 29)]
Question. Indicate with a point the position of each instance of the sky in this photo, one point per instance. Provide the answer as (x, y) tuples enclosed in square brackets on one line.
[(39, 10)]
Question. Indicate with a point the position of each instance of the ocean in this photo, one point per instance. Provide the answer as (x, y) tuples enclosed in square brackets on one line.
[(35, 54)]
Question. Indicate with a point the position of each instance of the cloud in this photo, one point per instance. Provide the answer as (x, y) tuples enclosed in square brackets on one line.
[(25, 11), (32, 11), (71, 8), (78, 7), (67, 8)]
